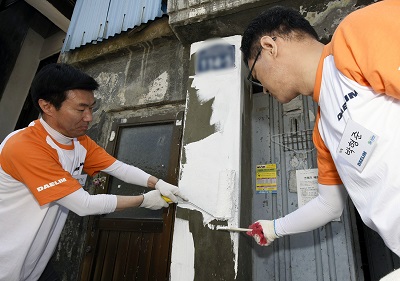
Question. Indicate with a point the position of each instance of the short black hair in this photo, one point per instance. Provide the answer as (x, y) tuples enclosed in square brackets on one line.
[(276, 21), (53, 81)]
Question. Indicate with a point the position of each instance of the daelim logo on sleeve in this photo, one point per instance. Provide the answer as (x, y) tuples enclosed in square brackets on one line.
[(50, 184)]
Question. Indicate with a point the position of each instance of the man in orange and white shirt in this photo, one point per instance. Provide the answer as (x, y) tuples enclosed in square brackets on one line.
[(355, 79), (40, 170)]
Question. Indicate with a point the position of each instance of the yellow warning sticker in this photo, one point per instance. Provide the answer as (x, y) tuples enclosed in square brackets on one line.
[(266, 178)]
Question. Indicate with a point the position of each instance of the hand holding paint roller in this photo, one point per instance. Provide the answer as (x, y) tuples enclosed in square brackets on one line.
[(263, 231), (170, 191)]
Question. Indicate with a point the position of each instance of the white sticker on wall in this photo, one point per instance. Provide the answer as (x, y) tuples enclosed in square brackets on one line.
[(307, 185)]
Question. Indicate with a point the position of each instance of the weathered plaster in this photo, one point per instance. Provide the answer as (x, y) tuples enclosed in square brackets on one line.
[(109, 90), (326, 19), (143, 34), (209, 255), (157, 90)]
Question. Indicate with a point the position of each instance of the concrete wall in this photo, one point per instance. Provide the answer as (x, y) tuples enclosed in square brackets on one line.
[(198, 20)]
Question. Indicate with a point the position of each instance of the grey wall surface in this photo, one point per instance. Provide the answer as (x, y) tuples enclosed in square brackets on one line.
[(327, 253)]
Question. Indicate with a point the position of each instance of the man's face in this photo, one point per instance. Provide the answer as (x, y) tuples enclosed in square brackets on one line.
[(75, 114), (274, 71)]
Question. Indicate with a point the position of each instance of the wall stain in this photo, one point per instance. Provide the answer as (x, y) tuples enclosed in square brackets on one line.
[(199, 114), (214, 258), (326, 16)]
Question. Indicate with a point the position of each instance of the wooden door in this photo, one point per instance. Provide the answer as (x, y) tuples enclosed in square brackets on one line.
[(135, 244)]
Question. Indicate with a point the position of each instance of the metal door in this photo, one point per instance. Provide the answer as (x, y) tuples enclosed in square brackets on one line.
[(281, 135)]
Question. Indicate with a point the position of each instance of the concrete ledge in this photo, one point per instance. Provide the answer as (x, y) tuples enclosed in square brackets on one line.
[(198, 20)]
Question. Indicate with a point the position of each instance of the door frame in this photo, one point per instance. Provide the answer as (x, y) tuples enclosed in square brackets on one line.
[(159, 231)]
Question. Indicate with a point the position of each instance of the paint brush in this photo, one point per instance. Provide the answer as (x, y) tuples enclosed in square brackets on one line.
[(235, 229)]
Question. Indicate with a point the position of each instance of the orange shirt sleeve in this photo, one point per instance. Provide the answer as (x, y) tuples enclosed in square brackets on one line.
[(327, 173), (97, 158), (30, 161), (366, 47)]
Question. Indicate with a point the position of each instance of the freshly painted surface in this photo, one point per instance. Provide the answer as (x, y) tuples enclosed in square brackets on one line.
[(210, 162)]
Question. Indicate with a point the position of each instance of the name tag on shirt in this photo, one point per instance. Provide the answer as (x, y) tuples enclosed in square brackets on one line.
[(81, 179), (357, 144)]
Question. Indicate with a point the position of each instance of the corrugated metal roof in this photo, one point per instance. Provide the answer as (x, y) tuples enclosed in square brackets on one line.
[(96, 20)]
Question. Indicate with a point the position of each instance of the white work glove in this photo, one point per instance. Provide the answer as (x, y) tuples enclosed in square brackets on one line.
[(393, 276), (263, 232), (153, 200), (170, 191)]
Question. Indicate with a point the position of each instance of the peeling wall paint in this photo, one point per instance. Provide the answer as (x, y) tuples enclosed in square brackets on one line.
[(126, 80), (158, 89), (329, 14), (108, 89), (210, 167)]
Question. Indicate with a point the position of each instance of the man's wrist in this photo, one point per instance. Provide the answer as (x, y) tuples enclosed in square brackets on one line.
[(152, 181)]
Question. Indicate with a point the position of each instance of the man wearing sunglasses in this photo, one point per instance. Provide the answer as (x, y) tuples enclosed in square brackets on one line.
[(355, 79)]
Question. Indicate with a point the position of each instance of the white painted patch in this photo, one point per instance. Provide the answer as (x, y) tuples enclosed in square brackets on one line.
[(182, 257), (112, 136), (210, 175), (226, 188)]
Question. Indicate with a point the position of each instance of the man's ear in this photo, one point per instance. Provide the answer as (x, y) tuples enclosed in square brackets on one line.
[(269, 44), (46, 107)]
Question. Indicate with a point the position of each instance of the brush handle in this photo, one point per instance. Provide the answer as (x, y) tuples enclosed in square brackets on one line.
[(236, 229)]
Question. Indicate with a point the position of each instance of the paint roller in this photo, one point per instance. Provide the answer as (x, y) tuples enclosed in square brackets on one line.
[(218, 227), (224, 203), (226, 184), (226, 188)]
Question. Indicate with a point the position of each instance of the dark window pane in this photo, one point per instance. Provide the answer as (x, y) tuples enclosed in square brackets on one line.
[(147, 147)]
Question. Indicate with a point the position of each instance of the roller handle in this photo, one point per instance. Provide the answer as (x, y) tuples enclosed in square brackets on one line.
[(166, 199)]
